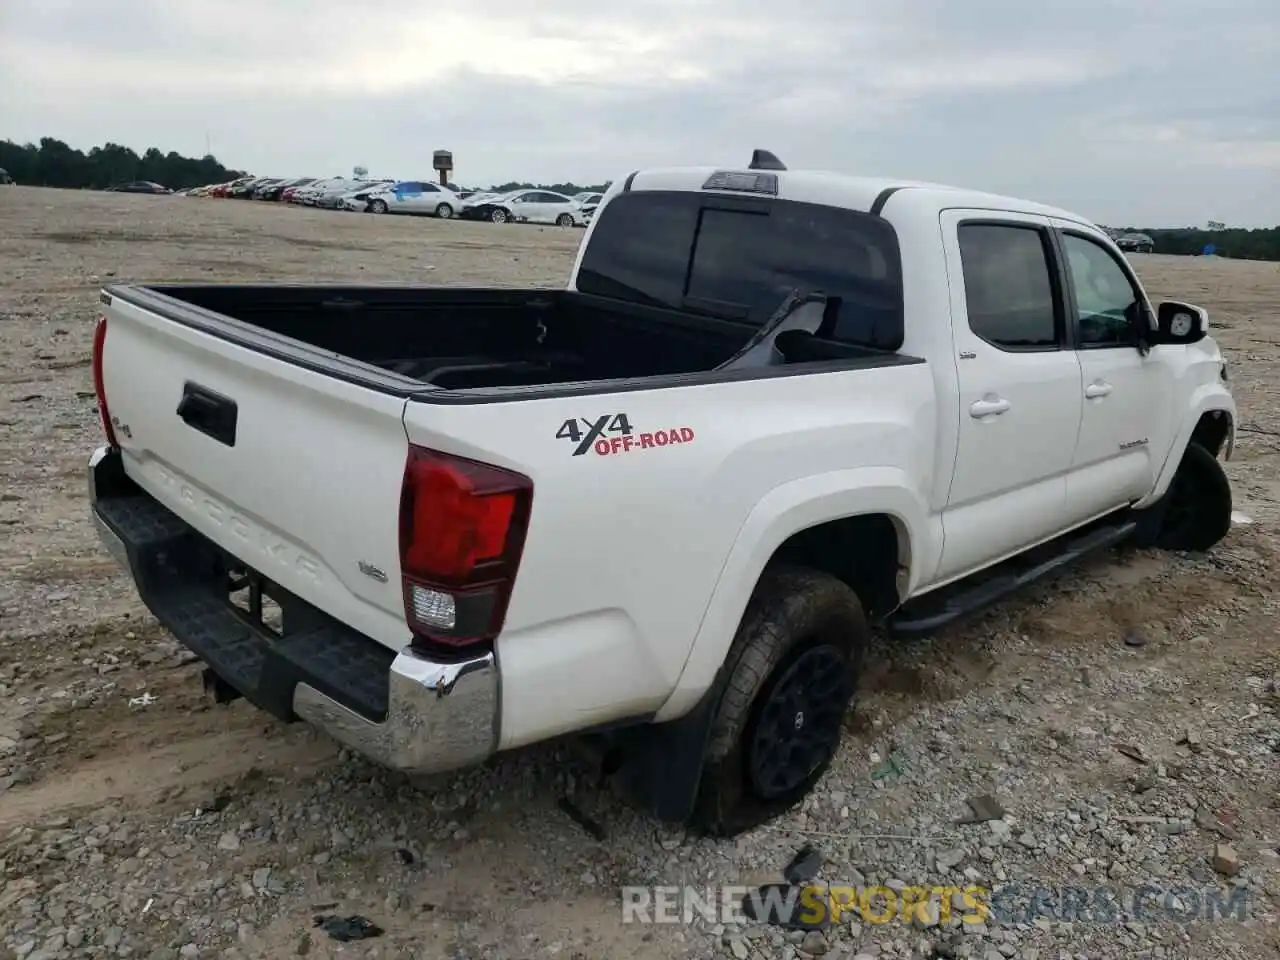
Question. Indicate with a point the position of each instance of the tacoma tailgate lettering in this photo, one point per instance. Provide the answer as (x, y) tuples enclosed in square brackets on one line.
[(258, 541)]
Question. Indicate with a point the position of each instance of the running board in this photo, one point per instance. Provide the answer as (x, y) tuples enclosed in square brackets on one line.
[(939, 609)]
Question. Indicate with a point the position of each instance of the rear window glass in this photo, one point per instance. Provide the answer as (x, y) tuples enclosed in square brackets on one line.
[(739, 259)]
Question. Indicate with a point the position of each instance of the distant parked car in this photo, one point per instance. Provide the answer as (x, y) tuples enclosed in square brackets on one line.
[(588, 202), (334, 186), (358, 202), (307, 193), (335, 199), (1135, 243), (419, 197), (477, 197), (224, 189), (263, 187), (243, 189), (275, 191), (255, 190), (526, 206), (138, 186)]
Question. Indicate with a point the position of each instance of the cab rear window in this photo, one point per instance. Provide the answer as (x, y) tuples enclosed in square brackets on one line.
[(739, 258)]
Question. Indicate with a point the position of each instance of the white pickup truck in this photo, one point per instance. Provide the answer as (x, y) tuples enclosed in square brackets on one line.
[(665, 505)]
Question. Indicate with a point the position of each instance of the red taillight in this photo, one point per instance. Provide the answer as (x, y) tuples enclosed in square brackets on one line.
[(99, 385), (462, 528)]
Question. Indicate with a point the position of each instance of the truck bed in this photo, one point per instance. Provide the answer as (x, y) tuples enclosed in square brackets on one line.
[(462, 339)]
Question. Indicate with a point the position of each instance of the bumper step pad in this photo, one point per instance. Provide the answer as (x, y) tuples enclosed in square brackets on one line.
[(185, 580)]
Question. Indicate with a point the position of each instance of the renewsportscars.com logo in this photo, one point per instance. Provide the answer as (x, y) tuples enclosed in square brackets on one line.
[(819, 905)]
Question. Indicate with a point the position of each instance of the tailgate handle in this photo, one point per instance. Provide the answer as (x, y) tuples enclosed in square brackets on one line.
[(211, 413)]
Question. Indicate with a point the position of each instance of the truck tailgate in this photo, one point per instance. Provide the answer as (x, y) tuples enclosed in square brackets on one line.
[(294, 473)]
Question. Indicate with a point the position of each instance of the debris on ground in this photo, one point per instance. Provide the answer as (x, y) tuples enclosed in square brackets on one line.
[(1132, 751), (804, 866), (891, 766), (346, 929), (1192, 740), (1212, 823), (1225, 860), (985, 807), (1134, 638)]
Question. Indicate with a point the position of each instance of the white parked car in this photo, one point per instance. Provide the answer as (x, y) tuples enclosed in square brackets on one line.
[(307, 195), (479, 197), (357, 199), (334, 187), (527, 206), (335, 199), (589, 202), (419, 197)]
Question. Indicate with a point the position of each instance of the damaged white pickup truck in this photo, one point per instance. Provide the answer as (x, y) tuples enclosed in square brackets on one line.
[(667, 504)]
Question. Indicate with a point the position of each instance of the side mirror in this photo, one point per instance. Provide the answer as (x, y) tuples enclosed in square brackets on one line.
[(1180, 323)]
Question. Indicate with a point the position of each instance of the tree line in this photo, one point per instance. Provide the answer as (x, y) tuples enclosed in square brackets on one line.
[(1262, 243), (52, 163)]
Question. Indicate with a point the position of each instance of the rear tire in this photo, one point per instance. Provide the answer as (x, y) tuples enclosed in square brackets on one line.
[(792, 673), (1195, 512)]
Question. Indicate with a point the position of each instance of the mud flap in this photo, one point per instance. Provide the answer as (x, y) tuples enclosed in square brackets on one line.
[(662, 762)]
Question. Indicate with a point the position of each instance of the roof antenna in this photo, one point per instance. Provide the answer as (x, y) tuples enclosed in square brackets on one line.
[(764, 160)]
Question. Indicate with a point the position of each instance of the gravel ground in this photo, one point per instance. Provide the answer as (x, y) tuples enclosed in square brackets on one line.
[(1124, 716)]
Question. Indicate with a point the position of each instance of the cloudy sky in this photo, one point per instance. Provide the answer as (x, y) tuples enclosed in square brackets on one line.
[(1151, 112)]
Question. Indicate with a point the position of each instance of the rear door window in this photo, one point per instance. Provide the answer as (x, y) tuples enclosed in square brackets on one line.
[(1008, 285)]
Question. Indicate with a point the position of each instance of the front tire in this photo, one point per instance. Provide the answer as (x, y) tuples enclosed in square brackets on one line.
[(378, 206), (1195, 512), (499, 216), (793, 670), (444, 211), (564, 220)]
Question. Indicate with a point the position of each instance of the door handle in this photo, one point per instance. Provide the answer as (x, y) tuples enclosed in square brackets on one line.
[(211, 413), (1097, 389), (989, 408)]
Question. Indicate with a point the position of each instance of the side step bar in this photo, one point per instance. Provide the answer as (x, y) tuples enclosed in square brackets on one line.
[(936, 610)]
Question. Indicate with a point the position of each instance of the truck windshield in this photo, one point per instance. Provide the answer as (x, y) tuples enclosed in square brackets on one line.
[(739, 258)]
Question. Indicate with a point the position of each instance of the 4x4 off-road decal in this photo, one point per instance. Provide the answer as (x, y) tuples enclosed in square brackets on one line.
[(612, 433)]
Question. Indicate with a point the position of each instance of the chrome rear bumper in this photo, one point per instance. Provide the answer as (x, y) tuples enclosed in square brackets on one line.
[(430, 717)]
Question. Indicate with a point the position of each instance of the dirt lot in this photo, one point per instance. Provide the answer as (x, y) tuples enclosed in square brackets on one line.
[(164, 826)]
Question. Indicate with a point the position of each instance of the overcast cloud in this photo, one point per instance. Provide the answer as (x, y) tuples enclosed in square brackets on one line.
[(1152, 112)]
